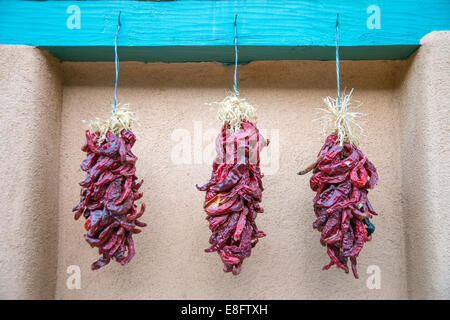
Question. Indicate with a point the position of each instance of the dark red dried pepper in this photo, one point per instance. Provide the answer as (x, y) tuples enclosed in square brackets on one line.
[(108, 193), (341, 178), (233, 194)]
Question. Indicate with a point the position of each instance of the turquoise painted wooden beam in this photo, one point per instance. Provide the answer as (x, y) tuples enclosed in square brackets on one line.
[(189, 30)]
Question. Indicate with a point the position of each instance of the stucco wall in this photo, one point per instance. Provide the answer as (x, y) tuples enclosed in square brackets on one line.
[(425, 152), (410, 244), (30, 94), (170, 261)]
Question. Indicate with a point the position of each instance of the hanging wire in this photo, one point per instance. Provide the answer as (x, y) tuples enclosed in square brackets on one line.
[(235, 56), (337, 62), (116, 60)]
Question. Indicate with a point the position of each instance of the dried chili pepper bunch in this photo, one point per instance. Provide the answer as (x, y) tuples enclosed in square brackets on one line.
[(235, 189), (342, 175), (110, 189)]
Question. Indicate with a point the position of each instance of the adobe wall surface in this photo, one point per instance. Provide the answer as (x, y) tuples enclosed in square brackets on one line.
[(406, 137), (425, 150), (31, 95), (170, 100)]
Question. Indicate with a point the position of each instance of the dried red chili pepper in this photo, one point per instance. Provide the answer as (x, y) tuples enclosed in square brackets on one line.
[(109, 191), (233, 194), (341, 178)]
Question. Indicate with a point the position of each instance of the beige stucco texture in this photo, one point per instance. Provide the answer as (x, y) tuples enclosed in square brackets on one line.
[(406, 137), (31, 96)]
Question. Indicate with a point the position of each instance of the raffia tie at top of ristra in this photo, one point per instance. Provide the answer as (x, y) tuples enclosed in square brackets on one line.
[(342, 120), (233, 111), (123, 118)]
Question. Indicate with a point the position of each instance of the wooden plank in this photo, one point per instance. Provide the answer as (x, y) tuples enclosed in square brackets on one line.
[(266, 29), (225, 54)]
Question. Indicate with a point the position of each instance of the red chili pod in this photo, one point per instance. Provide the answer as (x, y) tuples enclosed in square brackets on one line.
[(341, 178), (233, 194), (108, 197)]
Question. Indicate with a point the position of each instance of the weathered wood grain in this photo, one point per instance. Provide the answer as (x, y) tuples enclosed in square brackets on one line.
[(289, 29)]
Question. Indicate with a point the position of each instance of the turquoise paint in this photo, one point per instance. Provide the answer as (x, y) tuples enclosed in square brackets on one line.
[(176, 30)]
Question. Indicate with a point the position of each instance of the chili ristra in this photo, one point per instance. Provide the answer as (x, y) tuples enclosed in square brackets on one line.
[(341, 178), (233, 195), (108, 195)]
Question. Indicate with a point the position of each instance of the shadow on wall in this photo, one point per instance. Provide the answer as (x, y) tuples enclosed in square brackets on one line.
[(259, 74)]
